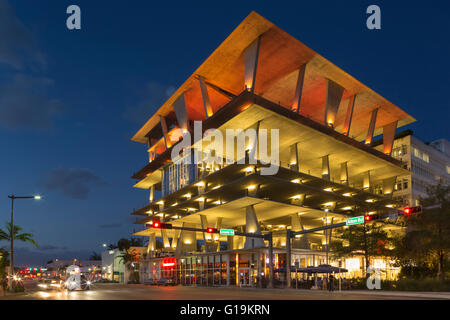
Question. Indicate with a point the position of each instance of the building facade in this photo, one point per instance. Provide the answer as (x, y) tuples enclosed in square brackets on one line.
[(428, 162), (301, 157)]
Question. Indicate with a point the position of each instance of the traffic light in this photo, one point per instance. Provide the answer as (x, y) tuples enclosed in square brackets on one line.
[(212, 230), (412, 210), (161, 225), (371, 217)]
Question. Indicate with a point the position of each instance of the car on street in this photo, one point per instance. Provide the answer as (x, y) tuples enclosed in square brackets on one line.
[(165, 282), (50, 284)]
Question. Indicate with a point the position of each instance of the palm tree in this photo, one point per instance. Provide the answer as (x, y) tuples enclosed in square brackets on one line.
[(130, 259), (25, 237)]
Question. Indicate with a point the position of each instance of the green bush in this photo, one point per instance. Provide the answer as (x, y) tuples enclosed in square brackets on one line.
[(432, 285), (19, 289)]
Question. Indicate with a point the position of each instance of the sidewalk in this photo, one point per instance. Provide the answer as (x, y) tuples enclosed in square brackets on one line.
[(412, 294)]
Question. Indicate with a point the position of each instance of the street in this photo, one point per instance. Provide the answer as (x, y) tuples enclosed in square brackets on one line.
[(144, 292)]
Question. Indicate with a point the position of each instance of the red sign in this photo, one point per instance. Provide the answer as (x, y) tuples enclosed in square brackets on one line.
[(169, 263)]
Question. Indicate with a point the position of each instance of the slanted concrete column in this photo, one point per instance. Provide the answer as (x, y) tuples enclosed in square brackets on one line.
[(179, 107), (165, 238), (294, 161), (302, 242), (151, 196), (175, 239), (326, 168), (230, 242), (251, 54), (210, 245), (151, 244), (299, 89), (205, 96), (252, 226), (187, 241), (167, 141), (388, 137), (344, 173), (367, 184), (388, 185), (349, 116), (332, 102), (371, 129)]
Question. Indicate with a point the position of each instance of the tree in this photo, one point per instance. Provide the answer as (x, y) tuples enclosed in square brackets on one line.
[(366, 239), (112, 246), (427, 242), (130, 258), (95, 256), (136, 242), (25, 237), (123, 244)]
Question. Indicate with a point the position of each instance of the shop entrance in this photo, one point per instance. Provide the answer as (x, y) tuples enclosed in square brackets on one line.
[(246, 277)]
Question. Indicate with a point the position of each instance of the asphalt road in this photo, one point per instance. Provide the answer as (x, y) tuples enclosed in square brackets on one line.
[(143, 292)]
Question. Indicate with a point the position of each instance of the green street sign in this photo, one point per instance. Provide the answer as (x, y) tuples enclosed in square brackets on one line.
[(226, 232), (355, 220)]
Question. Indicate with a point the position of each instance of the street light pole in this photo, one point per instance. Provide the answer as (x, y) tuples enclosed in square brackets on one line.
[(11, 236), (11, 255)]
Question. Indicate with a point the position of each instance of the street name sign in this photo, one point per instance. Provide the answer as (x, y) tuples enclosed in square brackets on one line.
[(354, 220), (226, 232)]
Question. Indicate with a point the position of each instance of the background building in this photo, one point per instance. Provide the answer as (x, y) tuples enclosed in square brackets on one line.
[(429, 163)]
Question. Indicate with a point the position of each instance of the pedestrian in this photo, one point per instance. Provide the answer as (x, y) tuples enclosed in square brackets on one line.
[(330, 283)]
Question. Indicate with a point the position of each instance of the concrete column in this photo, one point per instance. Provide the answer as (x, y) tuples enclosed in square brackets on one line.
[(344, 173), (187, 241), (332, 102), (371, 129), (299, 89), (297, 225), (179, 107), (251, 54), (151, 245), (151, 197), (388, 185), (230, 242), (326, 168), (388, 137), (167, 141), (367, 185), (166, 242), (252, 226), (294, 161), (349, 116), (206, 102)]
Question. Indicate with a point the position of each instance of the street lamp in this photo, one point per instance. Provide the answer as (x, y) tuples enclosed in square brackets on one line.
[(11, 258)]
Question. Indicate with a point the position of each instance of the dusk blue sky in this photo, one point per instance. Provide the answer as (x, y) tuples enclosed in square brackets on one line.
[(70, 100)]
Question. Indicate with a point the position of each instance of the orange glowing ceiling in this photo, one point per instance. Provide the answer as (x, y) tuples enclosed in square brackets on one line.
[(280, 57)]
